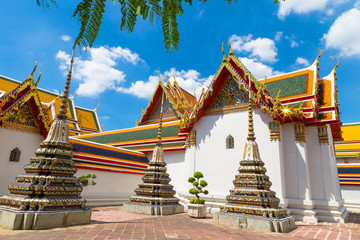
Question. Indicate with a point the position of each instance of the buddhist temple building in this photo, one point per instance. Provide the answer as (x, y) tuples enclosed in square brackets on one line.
[(297, 119)]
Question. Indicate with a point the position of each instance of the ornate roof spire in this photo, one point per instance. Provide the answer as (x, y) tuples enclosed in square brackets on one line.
[(337, 65), (38, 80), (222, 49), (31, 74), (231, 53)]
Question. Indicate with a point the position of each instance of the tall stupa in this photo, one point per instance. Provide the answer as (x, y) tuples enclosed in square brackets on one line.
[(155, 196), (48, 194), (251, 204)]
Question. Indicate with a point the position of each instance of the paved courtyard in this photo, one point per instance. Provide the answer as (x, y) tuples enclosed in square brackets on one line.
[(112, 223)]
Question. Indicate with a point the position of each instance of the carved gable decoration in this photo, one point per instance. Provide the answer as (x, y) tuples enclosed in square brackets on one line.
[(22, 120), (230, 98), (168, 111)]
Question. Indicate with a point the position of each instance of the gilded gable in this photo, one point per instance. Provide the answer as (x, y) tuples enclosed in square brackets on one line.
[(22, 120), (230, 98)]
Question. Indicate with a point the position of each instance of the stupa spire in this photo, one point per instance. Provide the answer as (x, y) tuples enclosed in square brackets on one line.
[(160, 121)]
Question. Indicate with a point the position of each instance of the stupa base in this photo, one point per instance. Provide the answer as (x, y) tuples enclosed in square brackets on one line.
[(261, 224), (34, 220), (153, 209)]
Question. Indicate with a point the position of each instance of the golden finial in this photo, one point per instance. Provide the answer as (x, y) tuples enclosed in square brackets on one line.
[(38, 80), (76, 92), (159, 75), (97, 106), (102, 127), (195, 93), (231, 53), (174, 77), (31, 75), (202, 83), (317, 58), (222, 49), (265, 80), (337, 64)]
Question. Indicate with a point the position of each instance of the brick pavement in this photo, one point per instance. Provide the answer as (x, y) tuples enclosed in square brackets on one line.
[(112, 223)]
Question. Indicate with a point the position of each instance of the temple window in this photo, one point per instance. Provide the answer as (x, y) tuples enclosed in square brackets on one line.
[(229, 142), (15, 155), (346, 160)]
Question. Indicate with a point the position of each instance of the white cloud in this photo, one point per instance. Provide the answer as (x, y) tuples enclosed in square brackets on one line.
[(260, 47), (97, 72), (258, 69), (201, 13), (302, 61), (278, 36), (330, 12), (307, 6), (344, 34), (293, 44), (357, 5), (188, 80), (300, 7), (65, 38)]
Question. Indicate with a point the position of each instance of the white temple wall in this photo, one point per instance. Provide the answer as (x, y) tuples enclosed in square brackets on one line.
[(218, 164), (290, 162), (315, 164), (111, 188), (351, 195), (175, 161), (27, 144)]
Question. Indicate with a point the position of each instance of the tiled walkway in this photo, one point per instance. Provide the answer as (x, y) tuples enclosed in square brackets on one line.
[(112, 223)]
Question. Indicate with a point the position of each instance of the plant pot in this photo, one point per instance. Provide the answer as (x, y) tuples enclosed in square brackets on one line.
[(197, 210)]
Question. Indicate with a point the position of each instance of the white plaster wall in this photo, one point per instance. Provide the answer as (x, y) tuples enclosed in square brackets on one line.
[(10, 139), (315, 164), (218, 164), (351, 195), (176, 169), (111, 188)]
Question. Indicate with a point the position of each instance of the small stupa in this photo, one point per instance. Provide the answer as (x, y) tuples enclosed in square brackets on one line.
[(155, 196), (251, 204), (48, 194)]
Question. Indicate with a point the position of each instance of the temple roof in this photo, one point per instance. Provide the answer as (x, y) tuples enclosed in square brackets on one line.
[(299, 96), (20, 108), (178, 101), (140, 138), (81, 120)]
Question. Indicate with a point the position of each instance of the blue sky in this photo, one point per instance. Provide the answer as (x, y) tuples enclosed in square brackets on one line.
[(120, 71)]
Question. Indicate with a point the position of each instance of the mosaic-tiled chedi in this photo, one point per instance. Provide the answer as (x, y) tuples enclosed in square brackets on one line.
[(49, 182), (155, 189), (252, 194)]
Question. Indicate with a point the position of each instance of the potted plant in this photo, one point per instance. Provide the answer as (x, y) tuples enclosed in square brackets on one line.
[(197, 207)]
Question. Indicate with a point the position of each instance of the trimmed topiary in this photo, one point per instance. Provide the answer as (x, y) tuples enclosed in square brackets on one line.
[(87, 180), (198, 188)]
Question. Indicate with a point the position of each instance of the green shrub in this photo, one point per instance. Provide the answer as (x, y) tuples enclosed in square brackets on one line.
[(87, 180), (197, 188)]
